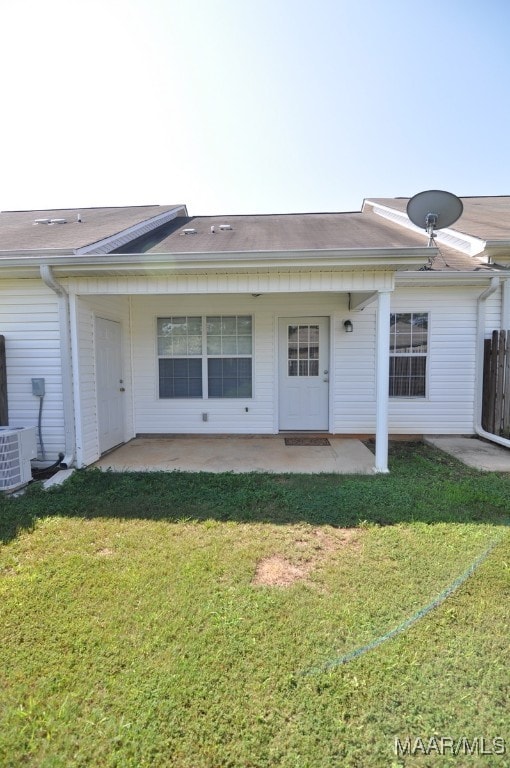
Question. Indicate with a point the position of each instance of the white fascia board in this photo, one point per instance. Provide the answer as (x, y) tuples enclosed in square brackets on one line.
[(387, 258), (498, 251), (125, 236), (451, 237), (479, 277), (362, 258)]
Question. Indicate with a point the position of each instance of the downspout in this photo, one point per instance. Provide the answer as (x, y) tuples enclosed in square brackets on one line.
[(505, 306), (65, 350), (480, 329)]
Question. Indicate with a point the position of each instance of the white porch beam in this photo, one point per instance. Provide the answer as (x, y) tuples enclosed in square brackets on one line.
[(359, 301), (382, 379)]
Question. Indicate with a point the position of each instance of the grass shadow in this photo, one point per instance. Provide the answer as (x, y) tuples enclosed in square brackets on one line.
[(424, 485)]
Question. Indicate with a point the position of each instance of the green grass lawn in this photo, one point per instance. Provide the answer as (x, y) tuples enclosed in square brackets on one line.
[(132, 633)]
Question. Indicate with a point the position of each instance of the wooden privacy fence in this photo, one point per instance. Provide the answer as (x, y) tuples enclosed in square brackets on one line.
[(3, 384), (496, 384)]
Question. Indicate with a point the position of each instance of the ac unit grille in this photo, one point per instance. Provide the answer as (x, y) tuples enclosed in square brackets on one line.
[(17, 448)]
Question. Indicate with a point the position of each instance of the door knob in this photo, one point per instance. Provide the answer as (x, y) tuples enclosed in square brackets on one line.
[(122, 389)]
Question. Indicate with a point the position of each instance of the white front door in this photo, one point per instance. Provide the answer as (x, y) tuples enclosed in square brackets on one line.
[(304, 373), (109, 385)]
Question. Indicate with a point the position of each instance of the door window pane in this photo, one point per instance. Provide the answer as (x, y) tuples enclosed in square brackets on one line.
[(303, 344)]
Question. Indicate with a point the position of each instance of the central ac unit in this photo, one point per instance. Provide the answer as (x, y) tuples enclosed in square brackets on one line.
[(17, 448)]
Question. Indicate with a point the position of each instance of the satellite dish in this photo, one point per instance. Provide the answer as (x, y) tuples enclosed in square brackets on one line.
[(434, 209)]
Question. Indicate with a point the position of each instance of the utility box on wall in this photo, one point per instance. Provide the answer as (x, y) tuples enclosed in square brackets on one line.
[(17, 448)]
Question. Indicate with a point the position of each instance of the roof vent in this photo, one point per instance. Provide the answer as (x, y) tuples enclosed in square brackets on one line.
[(58, 221), (189, 231), (41, 221), (225, 227)]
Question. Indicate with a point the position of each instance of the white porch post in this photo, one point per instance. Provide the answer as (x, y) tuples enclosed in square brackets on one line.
[(382, 358)]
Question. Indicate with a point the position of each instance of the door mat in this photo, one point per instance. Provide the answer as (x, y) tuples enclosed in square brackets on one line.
[(306, 441)]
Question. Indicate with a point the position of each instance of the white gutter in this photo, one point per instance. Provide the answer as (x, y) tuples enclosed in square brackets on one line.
[(387, 258), (480, 329), (65, 352), (455, 277), (505, 306)]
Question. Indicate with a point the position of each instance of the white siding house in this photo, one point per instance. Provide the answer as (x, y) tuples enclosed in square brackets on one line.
[(140, 326), (29, 321)]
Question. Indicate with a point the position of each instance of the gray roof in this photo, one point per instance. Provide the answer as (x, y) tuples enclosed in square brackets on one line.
[(19, 233), (487, 218), (286, 232)]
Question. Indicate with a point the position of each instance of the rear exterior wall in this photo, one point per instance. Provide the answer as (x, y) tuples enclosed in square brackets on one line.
[(29, 320), (448, 407)]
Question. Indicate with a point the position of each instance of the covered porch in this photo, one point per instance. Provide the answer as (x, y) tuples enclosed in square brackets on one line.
[(125, 361), (351, 379)]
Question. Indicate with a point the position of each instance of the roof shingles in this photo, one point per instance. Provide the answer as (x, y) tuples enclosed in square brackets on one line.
[(18, 231), (286, 232), (483, 217), (487, 218)]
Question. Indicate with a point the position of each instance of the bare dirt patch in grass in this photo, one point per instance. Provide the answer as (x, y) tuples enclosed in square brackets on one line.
[(334, 539), (312, 548), (104, 552), (7, 571), (277, 571)]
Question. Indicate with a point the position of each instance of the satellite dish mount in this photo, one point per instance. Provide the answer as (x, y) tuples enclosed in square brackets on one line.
[(434, 209)]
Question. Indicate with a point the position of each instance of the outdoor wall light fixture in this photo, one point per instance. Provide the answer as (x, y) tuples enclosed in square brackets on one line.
[(347, 326)]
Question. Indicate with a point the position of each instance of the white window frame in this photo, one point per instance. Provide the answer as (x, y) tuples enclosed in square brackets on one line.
[(205, 356), (412, 355)]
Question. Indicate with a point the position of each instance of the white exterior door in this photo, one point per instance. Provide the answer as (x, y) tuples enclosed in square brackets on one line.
[(304, 373), (109, 384)]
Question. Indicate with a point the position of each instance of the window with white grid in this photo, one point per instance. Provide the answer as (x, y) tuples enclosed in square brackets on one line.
[(408, 354), (205, 357)]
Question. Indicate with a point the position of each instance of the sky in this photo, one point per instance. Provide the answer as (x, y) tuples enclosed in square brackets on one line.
[(251, 106)]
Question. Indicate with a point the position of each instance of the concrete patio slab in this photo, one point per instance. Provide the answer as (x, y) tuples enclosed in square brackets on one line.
[(238, 454), (480, 454)]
